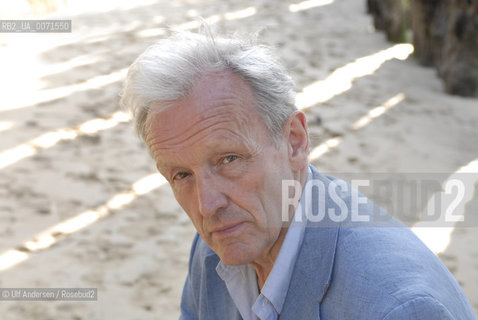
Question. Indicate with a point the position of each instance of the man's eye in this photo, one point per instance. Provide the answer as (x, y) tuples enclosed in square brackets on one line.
[(229, 159), (180, 175)]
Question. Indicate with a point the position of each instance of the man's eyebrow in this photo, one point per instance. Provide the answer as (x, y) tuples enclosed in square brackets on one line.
[(163, 166)]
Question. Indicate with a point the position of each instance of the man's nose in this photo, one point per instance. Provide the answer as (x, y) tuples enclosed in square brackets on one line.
[(210, 194)]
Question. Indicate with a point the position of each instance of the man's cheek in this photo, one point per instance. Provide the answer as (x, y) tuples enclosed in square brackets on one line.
[(187, 205)]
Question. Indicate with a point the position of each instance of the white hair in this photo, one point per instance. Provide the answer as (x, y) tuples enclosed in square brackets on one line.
[(167, 70)]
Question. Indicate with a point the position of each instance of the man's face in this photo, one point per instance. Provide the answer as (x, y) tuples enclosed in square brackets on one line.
[(224, 169)]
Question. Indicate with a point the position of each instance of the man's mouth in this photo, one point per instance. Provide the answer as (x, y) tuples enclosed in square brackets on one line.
[(227, 230)]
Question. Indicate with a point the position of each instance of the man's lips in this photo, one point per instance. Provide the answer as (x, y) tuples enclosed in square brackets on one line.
[(227, 230)]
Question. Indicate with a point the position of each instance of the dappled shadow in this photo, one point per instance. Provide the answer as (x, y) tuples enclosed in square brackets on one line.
[(80, 174)]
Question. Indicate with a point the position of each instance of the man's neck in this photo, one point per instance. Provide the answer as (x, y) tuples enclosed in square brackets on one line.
[(265, 263)]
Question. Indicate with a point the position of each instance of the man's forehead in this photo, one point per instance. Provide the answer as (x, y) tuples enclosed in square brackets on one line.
[(184, 125), (218, 98), (210, 91), (217, 114)]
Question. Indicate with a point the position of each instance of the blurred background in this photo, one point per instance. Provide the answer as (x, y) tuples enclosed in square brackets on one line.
[(389, 87)]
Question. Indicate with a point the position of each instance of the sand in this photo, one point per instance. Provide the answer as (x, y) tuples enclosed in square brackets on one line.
[(80, 202)]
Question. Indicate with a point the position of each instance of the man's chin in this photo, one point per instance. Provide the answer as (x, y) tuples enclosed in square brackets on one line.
[(235, 261), (237, 256)]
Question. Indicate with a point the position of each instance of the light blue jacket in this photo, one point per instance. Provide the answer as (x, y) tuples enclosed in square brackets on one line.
[(342, 272)]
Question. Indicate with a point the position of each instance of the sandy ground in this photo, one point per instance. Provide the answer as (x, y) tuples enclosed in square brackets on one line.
[(80, 204)]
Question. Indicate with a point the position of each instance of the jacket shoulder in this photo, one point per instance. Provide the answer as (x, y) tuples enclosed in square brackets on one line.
[(420, 308), (388, 270)]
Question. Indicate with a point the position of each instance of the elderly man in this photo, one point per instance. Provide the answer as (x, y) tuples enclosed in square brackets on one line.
[(219, 119)]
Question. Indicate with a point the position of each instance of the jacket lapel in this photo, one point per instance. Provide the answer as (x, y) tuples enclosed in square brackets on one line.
[(313, 270)]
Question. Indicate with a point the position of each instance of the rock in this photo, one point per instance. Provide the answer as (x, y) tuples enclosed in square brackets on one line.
[(429, 22), (460, 53), (391, 16), (445, 36)]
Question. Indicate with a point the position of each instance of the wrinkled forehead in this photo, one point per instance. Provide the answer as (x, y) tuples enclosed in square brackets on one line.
[(216, 94), (219, 102)]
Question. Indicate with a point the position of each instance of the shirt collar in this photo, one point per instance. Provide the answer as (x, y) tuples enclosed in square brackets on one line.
[(241, 283)]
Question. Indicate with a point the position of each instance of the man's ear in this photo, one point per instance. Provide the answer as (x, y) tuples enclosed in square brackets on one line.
[(297, 138)]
